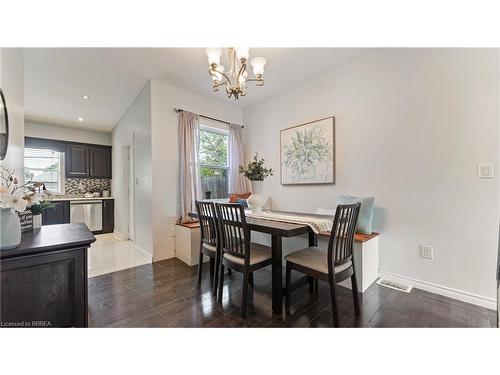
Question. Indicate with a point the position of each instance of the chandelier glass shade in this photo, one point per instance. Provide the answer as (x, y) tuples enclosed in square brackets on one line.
[(235, 79)]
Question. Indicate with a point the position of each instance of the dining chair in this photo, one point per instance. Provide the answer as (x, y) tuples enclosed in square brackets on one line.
[(237, 252), (210, 243), (333, 265)]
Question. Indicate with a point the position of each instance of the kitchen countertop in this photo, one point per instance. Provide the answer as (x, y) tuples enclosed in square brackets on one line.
[(56, 198)]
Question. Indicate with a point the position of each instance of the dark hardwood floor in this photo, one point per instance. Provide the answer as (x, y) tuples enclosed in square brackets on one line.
[(165, 294)]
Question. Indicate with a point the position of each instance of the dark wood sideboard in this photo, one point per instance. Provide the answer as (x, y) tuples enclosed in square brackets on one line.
[(43, 282)]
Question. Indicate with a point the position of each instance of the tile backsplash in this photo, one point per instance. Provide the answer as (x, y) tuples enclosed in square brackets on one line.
[(72, 185)]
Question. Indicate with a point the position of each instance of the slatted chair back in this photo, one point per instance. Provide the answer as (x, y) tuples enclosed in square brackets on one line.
[(208, 224), (235, 235), (342, 236)]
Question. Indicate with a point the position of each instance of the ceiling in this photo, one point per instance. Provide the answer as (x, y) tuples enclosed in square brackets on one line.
[(56, 78)]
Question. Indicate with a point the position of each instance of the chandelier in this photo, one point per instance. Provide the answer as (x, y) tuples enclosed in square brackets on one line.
[(236, 78)]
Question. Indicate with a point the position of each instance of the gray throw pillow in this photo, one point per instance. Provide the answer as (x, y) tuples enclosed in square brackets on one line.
[(365, 216)]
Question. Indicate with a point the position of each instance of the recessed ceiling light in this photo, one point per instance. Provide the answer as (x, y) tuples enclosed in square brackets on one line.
[(85, 97), (80, 119)]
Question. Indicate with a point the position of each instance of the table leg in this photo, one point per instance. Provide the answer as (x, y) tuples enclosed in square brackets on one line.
[(277, 269), (313, 239)]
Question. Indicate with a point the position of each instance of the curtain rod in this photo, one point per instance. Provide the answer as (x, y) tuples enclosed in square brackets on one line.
[(207, 117)]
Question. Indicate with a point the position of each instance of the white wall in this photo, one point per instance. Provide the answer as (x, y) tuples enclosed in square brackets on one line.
[(411, 127), (165, 146), (12, 84), (38, 129), (136, 120)]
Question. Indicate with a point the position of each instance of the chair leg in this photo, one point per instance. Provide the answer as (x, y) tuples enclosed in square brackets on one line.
[(244, 297), (310, 280), (221, 283), (316, 287), (354, 284), (216, 277), (229, 271), (250, 279), (200, 266), (334, 304), (212, 267), (288, 288)]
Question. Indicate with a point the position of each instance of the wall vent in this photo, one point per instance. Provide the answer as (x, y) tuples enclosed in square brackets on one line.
[(394, 285)]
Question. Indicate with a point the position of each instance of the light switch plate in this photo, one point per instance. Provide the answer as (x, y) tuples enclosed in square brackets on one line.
[(485, 170)]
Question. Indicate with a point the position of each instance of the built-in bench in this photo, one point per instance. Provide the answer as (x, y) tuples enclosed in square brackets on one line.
[(187, 242), (365, 252), (366, 263)]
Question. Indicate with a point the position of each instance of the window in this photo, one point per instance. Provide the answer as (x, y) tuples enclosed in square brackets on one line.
[(45, 166), (214, 161)]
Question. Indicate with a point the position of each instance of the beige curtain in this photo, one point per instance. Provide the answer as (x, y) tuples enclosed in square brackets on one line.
[(238, 183), (190, 184)]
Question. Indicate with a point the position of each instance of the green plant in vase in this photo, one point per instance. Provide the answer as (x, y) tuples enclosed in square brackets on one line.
[(256, 172)]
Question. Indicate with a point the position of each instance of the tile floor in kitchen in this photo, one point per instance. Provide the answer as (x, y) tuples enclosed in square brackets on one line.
[(109, 254)]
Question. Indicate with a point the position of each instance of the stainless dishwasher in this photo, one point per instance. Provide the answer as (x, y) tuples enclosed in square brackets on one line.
[(88, 212)]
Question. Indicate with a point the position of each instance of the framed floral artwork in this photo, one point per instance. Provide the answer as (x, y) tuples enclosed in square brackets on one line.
[(308, 153)]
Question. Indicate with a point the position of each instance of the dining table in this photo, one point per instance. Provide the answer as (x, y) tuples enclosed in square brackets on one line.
[(277, 230)]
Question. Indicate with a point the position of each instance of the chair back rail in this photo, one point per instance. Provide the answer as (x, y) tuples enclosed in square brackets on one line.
[(235, 235), (341, 240), (208, 225)]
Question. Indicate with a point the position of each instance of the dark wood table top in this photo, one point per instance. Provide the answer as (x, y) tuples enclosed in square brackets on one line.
[(51, 238), (272, 227)]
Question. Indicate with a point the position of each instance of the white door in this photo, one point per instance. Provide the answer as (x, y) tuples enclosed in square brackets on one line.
[(131, 191), (128, 189)]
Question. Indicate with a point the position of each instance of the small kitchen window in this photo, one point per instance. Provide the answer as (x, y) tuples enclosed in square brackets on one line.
[(45, 166), (213, 156)]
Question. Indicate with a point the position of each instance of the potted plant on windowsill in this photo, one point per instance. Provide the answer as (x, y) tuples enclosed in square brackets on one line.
[(256, 172), (13, 198)]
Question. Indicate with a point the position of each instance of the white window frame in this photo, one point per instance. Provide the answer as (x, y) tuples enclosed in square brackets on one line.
[(217, 130), (62, 174)]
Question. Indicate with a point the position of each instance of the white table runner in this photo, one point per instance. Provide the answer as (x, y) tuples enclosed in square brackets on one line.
[(315, 223)]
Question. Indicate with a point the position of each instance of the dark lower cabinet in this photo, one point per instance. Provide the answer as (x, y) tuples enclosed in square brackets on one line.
[(44, 280), (59, 214), (108, 216)]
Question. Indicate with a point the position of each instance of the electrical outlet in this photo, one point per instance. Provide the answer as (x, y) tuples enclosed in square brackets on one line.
[(427, 252)]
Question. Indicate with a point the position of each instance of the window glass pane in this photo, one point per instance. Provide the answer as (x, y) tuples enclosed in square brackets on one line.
[(44, 166), (213, 148), (215, 180), (214, 162)]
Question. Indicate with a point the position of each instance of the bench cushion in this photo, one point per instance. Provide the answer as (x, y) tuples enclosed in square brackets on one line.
[(365, 217)]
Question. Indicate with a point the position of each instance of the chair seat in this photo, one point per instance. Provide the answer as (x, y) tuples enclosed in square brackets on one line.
[(315, 259), (258, 253), (209, 247)]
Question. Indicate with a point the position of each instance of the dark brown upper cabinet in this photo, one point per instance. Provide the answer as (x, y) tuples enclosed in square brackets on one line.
[(99, 162), (88, 161), (77, 161)]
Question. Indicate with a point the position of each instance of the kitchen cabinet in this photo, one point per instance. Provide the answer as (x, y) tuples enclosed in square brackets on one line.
[(59, 214), (88, 161), (108, 216), (77, 161), (99, 162)]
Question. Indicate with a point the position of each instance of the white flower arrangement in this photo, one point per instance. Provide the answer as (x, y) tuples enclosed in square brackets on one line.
[(14, 196)]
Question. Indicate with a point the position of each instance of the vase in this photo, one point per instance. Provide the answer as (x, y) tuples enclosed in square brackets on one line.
[(10, 229), (257, 200), (37, 221)]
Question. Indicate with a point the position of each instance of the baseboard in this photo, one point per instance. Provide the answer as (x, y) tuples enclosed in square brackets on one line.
[(120, 236), (489, 303), (143, 252)]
